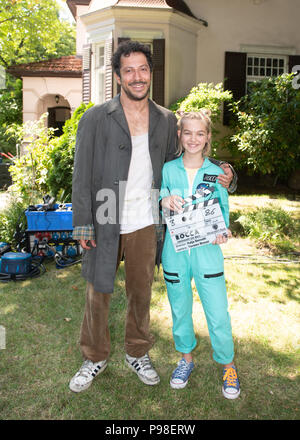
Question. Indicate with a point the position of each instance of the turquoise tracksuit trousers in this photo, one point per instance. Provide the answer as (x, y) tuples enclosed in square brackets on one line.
[(205, 264)]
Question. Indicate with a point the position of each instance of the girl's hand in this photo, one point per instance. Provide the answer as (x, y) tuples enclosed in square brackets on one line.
[(172, 203), (221, 239)]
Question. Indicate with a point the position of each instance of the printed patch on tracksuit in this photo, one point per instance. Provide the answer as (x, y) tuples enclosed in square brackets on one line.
[(210, 178), (203, 189)]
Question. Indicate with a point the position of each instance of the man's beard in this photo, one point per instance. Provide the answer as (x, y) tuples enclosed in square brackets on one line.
[(134, 97)]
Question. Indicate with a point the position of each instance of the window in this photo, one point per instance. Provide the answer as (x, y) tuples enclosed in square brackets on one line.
[(253, 64), (99, 60), (100, 57), (260, 66)]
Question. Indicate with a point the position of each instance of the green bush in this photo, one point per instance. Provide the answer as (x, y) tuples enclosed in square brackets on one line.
[(208, 96), (47, 166), (12, 218), (270, 226), (61, 158), (267, 127), (10, 114), (29, 171)]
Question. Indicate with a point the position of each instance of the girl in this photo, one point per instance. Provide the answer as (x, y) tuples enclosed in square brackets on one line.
[(190, 173)]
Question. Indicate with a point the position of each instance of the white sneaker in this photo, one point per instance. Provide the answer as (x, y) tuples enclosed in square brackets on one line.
[(143, 368), (84, 377)]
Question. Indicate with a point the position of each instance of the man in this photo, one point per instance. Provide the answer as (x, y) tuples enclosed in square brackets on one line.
[(127, 139)]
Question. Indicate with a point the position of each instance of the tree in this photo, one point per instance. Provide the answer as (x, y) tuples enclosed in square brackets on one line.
[(267, 131), (10, 113), (30, 30)]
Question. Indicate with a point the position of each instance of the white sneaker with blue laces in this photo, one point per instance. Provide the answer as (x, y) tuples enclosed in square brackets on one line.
[(181, 374)]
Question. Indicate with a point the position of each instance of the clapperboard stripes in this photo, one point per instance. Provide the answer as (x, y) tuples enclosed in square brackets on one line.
[(199, 205), (199, 195)]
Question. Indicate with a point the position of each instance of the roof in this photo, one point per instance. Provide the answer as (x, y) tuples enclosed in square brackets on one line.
[(66, 66), (177, 5), (73, 3)]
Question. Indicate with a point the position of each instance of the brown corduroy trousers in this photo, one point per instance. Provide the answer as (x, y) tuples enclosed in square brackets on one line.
[(139, 250)]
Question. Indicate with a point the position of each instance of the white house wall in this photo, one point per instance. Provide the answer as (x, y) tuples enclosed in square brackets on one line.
[(181, 62), (234, 25), (39, 94), (81, 36)]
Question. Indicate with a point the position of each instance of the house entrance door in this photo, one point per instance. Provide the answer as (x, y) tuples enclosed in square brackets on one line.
[(57, 117)]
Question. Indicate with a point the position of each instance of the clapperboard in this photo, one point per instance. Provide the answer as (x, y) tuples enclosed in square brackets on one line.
[(198, 224)]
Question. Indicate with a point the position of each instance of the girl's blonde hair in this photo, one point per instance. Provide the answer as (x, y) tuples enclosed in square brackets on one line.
[(202, 115)]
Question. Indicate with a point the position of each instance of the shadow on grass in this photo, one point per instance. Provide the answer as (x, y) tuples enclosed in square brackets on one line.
[(42, 354), (289, 285)]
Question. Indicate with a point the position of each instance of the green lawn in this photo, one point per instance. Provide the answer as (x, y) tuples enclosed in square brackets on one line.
[(42, 318)]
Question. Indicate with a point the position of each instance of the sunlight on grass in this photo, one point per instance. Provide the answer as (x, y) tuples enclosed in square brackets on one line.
[(9, 308), (42, 351)]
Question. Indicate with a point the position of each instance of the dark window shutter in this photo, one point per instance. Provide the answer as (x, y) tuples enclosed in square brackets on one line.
[(86, 73), (108, 70), (158, 76), (294, 60), (235, 78), (120, 40)]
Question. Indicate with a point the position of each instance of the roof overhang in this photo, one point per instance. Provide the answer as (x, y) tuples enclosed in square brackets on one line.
[(175, 5), (48, 68), (73, 3)]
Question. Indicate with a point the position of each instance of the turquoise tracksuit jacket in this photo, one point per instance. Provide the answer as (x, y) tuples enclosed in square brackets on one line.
[(205, 264)]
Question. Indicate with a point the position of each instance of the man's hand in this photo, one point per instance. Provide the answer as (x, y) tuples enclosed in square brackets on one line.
[(225, 179), (84, 244)]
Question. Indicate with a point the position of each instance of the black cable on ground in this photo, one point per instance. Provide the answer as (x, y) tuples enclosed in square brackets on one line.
[(37, 269)]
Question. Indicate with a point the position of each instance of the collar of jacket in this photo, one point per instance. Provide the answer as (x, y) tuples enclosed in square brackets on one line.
[(115, 108), (206, 163)]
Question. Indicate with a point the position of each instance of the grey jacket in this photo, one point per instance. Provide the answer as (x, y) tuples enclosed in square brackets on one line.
[(102, 158)]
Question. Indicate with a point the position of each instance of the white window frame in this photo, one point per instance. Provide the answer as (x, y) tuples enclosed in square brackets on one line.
[(265, 63), (98, 72), (273, 52)]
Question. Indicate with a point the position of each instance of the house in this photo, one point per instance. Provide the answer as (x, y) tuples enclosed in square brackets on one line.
[(193, 41), (53, 86)]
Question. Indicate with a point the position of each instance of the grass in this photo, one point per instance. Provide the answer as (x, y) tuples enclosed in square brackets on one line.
[(42, 318)]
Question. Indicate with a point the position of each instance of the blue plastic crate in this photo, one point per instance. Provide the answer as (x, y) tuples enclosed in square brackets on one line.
[(57, 220)]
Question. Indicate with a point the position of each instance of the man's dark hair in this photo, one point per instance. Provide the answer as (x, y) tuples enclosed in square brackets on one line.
[(125, 49)]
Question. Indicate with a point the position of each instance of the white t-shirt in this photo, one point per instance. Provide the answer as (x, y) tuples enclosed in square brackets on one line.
[(137, 208), (191, 172)]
